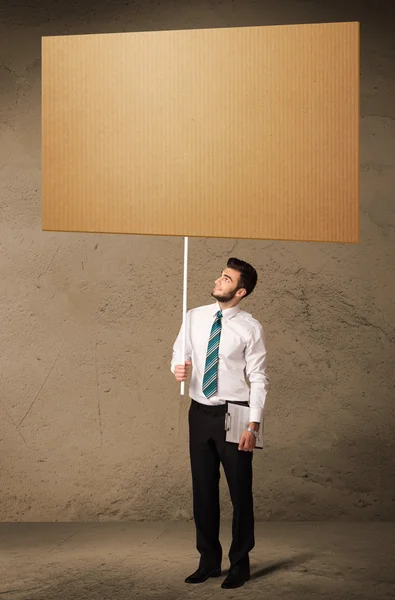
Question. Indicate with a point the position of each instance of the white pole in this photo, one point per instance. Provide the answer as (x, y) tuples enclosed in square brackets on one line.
[(184, 308)]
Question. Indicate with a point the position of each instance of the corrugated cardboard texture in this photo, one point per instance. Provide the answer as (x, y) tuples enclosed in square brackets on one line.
[(249, 132)]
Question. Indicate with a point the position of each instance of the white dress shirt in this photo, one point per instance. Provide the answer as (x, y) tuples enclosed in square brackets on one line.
[(242, 352)]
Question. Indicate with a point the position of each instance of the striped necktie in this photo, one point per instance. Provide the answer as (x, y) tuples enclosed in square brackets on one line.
[(211, 368)]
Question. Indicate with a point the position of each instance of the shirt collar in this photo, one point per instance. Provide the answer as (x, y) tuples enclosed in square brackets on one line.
[(227, 313)]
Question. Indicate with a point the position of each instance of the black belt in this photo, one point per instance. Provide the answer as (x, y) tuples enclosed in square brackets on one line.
[(220, 409)]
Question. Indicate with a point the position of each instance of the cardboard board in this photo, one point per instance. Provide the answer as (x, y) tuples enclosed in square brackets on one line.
[(244, 132)]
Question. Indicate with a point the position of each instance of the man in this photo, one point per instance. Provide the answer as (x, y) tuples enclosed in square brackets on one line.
[(224, 344)]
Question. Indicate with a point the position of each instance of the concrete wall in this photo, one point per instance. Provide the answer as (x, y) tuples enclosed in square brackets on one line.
[(92, 424)]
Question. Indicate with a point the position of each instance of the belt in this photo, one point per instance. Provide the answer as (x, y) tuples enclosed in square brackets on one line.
[(220, 409)]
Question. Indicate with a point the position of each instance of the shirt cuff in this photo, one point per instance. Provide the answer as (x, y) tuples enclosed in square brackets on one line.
[(255, 415)]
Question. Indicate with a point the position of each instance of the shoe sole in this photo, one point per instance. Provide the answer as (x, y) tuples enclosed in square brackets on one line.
[(213, 574), (234, 587)]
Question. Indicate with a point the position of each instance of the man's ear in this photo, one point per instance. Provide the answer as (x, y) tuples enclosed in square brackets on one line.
[(241, 292)]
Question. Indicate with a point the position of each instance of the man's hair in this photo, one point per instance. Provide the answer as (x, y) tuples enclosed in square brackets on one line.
[(248, 275)]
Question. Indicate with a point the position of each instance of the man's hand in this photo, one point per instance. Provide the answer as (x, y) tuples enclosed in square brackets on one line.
[(181, 371), (247, 441)]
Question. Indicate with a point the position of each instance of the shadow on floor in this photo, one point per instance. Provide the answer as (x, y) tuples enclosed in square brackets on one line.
[(282, 564)]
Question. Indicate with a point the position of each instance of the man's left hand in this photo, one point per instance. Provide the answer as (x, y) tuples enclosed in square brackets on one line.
[(247, 441)]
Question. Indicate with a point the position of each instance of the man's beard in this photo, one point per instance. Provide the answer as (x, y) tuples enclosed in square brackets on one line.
[(225, 298)]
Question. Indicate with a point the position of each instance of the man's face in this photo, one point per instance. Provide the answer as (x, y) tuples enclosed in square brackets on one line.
[(226, 286)]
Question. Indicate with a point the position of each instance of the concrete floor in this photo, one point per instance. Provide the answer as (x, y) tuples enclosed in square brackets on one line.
[(144, 560)]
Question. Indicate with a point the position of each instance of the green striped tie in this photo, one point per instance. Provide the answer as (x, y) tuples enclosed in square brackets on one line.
[(211, 368)]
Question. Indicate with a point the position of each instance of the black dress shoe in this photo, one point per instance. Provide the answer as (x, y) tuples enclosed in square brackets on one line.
[(202, 574), (236, 578)]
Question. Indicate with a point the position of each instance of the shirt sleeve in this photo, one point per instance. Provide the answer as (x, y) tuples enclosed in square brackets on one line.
[(177, 347), (256, 361)]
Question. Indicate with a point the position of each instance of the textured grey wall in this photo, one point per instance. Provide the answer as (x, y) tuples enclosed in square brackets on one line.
[(92, 425)]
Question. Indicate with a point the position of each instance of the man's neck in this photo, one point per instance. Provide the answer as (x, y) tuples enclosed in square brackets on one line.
[(225, 305)]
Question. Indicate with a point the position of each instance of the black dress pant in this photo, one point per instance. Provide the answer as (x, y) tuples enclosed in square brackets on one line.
[(208, 448)]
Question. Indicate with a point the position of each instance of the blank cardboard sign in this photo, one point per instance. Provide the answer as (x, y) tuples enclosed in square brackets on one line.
[(244, 132)]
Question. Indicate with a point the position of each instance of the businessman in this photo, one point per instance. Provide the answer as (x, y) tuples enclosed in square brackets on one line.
[(225, 346)]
